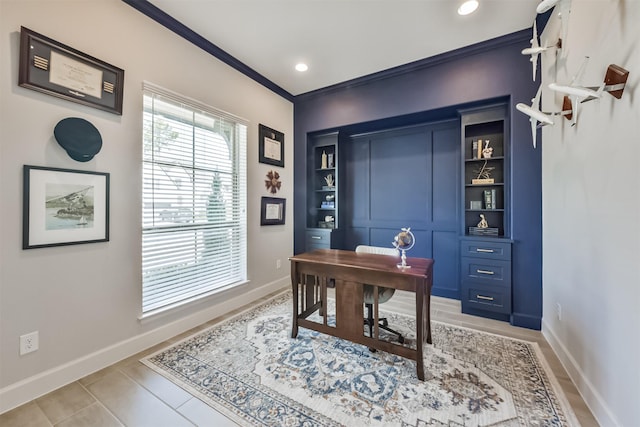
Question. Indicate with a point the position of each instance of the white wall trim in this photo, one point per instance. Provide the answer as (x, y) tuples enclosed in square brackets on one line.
[(40, 384), (589, 394)]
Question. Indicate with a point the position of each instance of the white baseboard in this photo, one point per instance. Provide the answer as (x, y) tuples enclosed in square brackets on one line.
[(40, 384), (592, 398)]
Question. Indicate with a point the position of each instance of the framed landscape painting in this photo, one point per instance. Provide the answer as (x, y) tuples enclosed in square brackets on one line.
[(64, 207)]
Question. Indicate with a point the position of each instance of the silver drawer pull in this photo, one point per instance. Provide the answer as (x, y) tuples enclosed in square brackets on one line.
[(485, 272), (484, 298), (316, 237), (488, 251)]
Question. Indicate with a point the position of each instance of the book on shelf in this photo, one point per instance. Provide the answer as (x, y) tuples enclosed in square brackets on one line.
[(328, 205), (489, 231), (479, 150), (474, 149), (490, 199)]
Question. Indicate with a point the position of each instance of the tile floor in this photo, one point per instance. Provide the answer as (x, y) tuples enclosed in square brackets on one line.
[(130, 394)]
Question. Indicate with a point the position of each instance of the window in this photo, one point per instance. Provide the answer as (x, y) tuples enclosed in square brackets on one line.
[(193, 200)]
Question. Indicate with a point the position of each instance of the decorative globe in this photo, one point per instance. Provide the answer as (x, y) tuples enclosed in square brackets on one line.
[(404, 241)]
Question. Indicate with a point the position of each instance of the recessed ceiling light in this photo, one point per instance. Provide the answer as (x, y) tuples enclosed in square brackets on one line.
[(468, 7), (302, 67)]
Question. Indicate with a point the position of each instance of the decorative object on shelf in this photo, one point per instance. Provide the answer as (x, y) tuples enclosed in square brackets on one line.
[(403, 241), (329, 180), (270, 146), (330, 197), (483, 175), (56, 69), (615, 80), (324, 161), (330, 157), (483, 222), (273, 182), (487, 151), (272, 211), (475, 204), (64, 207), (80, 139)]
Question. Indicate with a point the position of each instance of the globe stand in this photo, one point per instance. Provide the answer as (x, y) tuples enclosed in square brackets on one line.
[(404, 260)]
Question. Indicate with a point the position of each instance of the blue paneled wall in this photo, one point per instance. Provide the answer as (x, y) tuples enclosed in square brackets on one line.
[(427, 92)]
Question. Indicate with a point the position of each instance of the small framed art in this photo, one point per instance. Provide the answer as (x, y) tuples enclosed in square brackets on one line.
[(270, 146), (64, 207), (64, 72), (272, 211)]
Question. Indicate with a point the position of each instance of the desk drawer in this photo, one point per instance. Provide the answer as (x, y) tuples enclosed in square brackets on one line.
[(488, 298), (489, 271), (318, 239), (492, 249)]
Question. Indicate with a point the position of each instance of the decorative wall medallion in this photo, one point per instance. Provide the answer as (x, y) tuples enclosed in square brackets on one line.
[(273, 182)]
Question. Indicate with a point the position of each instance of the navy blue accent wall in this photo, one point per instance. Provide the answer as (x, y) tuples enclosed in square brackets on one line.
[(433, 90), (406, 177)]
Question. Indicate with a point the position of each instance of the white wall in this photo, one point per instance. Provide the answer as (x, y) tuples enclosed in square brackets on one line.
[(591, 219), (85, 299)]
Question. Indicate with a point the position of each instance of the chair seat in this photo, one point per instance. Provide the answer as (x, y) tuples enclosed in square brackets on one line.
[(384, 294)]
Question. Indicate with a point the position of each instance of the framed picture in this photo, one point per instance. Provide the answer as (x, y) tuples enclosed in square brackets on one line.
[(64, 207), (55, 69), (272, 210), (270, 146)]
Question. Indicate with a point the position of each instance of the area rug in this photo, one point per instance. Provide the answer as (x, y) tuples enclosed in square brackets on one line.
[(251, 370)]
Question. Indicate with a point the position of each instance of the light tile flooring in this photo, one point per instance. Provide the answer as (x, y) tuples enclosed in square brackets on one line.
[(130, 394)]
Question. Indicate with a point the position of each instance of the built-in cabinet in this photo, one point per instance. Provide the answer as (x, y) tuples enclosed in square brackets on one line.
[(485, 245), (485, 273), (485, 172), (322, 191)]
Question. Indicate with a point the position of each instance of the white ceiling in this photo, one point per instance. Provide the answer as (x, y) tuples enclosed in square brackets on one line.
[(342, 39)]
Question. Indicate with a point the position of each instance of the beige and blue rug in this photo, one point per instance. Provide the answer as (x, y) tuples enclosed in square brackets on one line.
[(250, 369)]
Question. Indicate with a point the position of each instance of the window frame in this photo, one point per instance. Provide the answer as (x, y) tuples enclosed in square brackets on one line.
[(231, 221)]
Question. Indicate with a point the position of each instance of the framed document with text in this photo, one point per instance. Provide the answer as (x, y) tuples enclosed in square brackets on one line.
[(270, 146), (272, 211), (55, 69)]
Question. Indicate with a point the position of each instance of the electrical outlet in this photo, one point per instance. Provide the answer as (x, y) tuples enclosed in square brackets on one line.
[(558, 311), (29, 342), (278, 264)]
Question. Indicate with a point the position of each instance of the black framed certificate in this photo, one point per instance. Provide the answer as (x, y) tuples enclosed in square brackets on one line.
[(270, 146), (59, 70)]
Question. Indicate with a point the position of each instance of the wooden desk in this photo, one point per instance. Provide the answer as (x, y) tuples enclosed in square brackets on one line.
[(310, 274)]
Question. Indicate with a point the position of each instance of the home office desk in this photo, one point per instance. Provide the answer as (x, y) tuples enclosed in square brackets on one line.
[(312, 271)]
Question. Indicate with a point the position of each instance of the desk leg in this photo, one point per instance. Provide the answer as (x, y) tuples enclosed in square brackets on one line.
[(427, 301), (420, 328), (294, 285)]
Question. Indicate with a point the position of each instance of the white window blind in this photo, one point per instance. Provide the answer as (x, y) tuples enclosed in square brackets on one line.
[(193, 200)]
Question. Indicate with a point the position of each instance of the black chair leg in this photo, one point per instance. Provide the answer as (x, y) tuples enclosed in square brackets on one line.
[(382, 325)]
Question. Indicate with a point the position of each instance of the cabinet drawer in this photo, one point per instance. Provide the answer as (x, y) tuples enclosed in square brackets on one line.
[(486, 249), (489, 271), (318, 239), (486, 298)]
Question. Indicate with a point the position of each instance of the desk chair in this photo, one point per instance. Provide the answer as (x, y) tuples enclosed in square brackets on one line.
[(384, 294)]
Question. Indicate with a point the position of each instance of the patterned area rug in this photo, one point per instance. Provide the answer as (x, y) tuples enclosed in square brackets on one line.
[(250, 369)]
